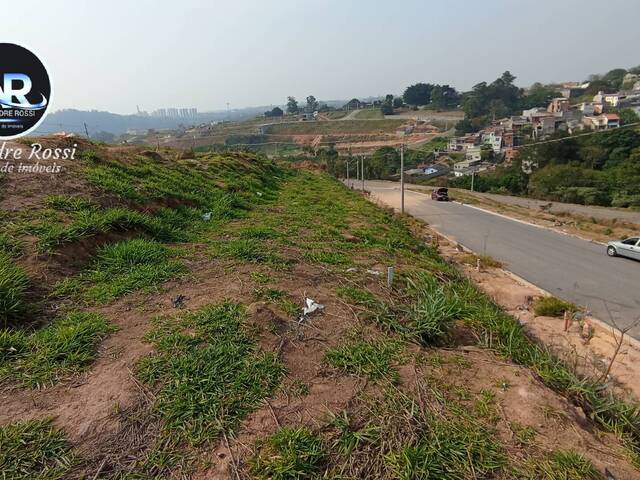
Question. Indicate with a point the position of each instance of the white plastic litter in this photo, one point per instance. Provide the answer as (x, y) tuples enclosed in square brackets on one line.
[(206, 216), (373, 272), (259, 194), (351, 270), (310, 307)]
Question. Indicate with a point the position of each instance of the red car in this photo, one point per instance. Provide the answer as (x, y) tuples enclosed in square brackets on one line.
[(440, 194)]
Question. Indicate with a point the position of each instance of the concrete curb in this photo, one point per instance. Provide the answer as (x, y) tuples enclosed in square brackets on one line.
[(601, 324)]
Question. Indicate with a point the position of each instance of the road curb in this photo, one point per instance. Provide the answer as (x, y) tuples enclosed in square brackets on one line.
[(601, 324)]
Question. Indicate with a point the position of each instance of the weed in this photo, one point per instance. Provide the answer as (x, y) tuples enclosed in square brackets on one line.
[(350, 437), (560, 465), (33, 449), (289, 454), (13, 287), (209, 346), (524, 434), (121, 268), (246, 250), (552, 307), (65, 347), (371, 358)]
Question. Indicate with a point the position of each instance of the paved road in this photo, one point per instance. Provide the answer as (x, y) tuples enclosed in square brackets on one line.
[(571, 268)]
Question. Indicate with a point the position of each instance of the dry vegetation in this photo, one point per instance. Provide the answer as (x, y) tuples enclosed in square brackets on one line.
[(153, 329)]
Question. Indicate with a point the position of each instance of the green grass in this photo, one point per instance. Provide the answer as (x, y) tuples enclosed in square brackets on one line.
[(374, 359), (327, 128), (292, 453), (560, 465), (10, 245), (33, 450), (207, 372), (370, 114), (65, 347), (13, 291), (246, 250), (122, 268), (552, 307)]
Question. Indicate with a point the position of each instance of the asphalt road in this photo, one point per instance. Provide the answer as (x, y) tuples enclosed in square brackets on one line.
[(568, 267)]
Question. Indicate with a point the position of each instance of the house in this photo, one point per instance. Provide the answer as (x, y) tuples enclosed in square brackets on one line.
[(610, 99), (492, 139), (473, 153), (558, 105), (466, 167), (508, 139), (588, 108), (455, 144), (602, 122), (543, 126)]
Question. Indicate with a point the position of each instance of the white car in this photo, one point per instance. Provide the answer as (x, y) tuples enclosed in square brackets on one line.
[(629, 247)]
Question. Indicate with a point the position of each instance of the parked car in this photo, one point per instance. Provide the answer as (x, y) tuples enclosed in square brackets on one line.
[(629, 247), (440, 194)]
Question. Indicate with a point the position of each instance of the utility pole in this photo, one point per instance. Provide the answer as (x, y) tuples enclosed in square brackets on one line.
[(347, 162), (473, 177), (357, 170), (362, 159), (86, 130), (402, 178)]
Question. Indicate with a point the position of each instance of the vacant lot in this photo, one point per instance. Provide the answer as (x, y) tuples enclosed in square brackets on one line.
[(170, 339), (343, 127)]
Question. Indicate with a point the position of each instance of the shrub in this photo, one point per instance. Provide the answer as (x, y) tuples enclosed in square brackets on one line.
[(552, 307)]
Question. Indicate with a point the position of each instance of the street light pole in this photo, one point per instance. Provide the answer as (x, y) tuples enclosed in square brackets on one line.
[(347, 162), (362, 169), (402, 178), (473, 177)]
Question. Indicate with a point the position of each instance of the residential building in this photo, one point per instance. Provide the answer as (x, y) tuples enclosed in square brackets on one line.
[(558, 105), (509, 155), (492, 139), (473, 153), (543, 126), (466, 167), (602, 122)]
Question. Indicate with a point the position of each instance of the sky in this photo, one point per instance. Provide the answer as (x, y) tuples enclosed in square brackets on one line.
[(114, 55)]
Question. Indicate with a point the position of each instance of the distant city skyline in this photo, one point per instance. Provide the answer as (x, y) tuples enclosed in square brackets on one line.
[(116, 55)]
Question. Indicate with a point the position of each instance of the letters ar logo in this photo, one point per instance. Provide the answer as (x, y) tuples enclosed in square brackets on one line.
[(25, 91), (18, 86)]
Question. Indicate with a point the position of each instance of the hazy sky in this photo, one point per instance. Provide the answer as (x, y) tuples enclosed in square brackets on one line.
[(116, 54)]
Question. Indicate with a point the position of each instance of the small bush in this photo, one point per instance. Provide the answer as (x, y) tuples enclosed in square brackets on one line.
[(33, 450), (65, 347), (552, 307), (288, 454), (13, 287)]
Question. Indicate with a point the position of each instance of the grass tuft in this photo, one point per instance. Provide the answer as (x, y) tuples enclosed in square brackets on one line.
[(207, 371), (13, 287), (65, 347), (552, 307), (292, 453), (374, 359), (33, 449)]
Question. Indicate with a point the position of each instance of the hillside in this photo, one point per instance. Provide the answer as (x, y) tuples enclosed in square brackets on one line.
[(154, 328)]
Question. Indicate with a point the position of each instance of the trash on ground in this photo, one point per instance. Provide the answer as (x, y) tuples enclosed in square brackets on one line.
[(373, 272), (206, 216), (178, 302), (259, 194), (310, 307), (351, 270)]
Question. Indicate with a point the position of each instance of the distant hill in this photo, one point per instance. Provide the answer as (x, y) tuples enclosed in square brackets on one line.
[(71, 120)]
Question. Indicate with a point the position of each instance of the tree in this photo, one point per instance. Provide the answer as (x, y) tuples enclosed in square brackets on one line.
[(275, 112), (418, 94), (538, 95), (292, 105), (615, 77), (444, 96), (312, 104), (397, 102), (628, 116)]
